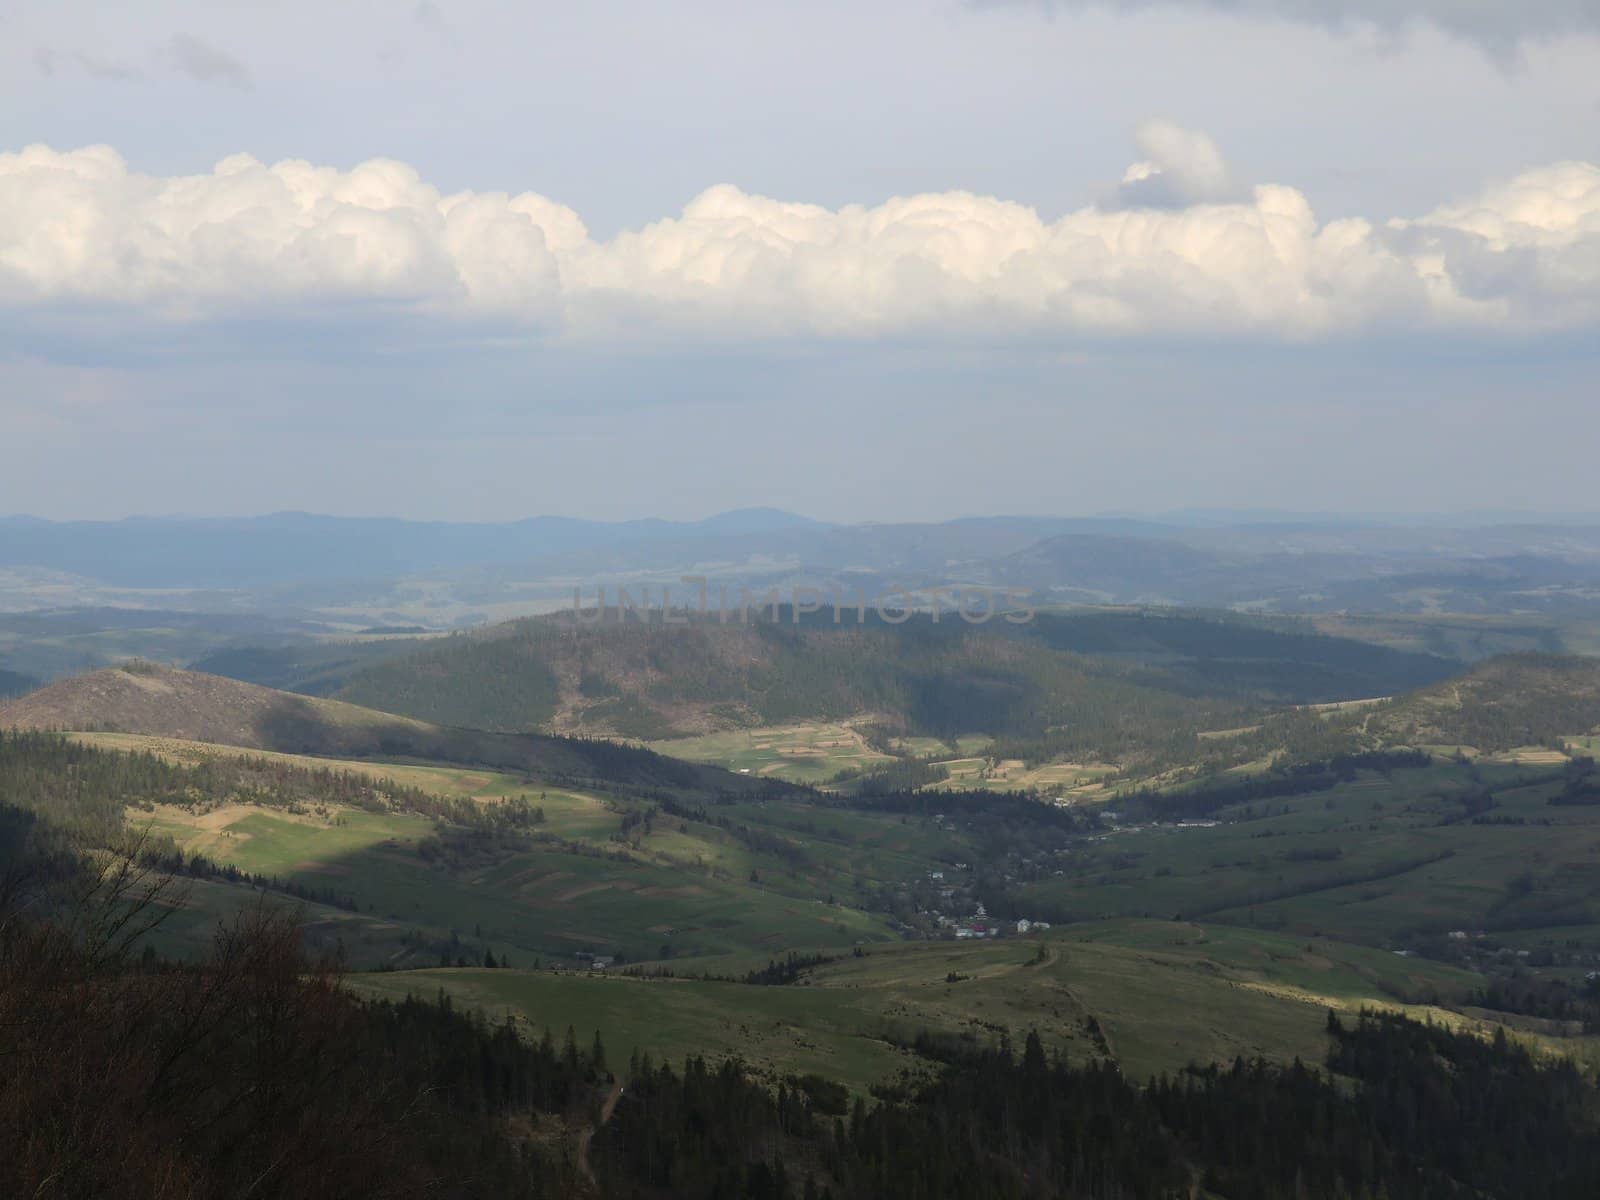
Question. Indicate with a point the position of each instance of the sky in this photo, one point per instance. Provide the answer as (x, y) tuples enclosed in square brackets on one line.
[(900, 261)]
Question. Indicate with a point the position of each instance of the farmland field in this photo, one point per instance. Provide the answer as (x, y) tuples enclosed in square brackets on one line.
[(805, 753), (1006, 775), (817, 753), (1173, 940), (1377, 860)]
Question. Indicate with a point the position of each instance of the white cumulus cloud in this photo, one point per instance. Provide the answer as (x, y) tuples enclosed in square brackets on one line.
[(1182, 250)]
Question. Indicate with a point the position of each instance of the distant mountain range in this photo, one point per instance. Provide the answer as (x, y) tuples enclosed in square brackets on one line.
[(361, 572), (226, 552)]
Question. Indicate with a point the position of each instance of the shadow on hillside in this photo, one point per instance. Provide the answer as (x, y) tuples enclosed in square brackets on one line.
[(295, 725), (445, 896)]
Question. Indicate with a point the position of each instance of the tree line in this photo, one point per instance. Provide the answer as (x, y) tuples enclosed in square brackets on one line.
[(1402, 1111)]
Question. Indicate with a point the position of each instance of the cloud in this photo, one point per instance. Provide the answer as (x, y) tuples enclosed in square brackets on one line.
[(86, 243), (1498, 25), (182, 54), (1181, 167), (201, 61), (429, 16), (49, 61)]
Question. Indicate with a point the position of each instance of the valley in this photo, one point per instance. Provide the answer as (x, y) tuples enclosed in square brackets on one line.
[(852, 897), (992, 600), (1207, 869)]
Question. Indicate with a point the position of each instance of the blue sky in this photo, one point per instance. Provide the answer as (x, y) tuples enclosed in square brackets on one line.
[(899, 261)]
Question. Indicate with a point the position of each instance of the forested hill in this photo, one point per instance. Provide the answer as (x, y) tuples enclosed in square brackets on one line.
[(142, 698), (1517, 700), (1092, 671), (350, 1099)]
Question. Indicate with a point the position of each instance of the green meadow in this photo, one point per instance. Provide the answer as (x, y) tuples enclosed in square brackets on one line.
[(541, 900), (668, 886), (1172, 943), (811, 753), (1161, 994), (1373, 861)]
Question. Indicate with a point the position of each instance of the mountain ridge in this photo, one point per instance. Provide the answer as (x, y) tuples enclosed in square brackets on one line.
[(1096, 672), (143, 698)]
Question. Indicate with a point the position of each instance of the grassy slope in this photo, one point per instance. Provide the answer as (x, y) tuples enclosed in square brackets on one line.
[(1164, 994), (191, 706), (440, 779), (1243, 980), (1345, 863), (687, 884), (679, 881), (815, 753), (142, 698), (841, 844), (1507, 702), (1267, 871), (809, 753), (676, 889)]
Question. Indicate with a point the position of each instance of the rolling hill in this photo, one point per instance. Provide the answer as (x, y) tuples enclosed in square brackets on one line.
[(1096, 681), (142, 698), (1229, 935), (1501, 704)]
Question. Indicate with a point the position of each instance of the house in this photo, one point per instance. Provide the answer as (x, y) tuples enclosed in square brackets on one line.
[(1024, 925), (600, 962)]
